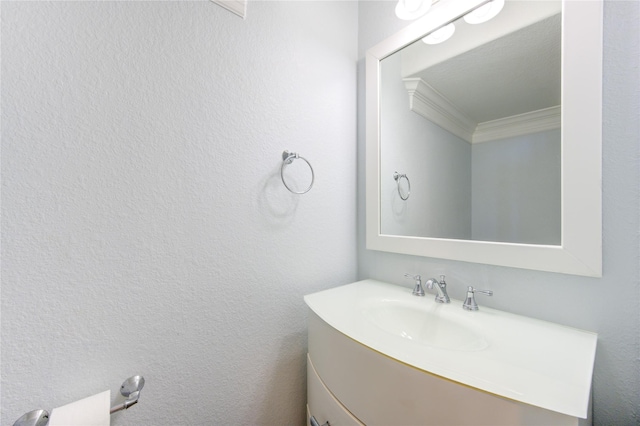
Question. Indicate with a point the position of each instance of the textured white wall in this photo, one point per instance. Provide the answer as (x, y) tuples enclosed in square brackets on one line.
[(145, 229), (608, 305)]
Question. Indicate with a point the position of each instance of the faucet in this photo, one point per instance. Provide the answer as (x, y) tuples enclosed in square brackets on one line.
[(441, 288), (470, 302), (417, 290)]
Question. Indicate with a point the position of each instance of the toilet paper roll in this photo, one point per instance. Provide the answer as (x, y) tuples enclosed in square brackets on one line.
[(91, 411)]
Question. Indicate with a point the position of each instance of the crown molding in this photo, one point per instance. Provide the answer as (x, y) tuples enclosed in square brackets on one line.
[(518, 125), (430, 104)]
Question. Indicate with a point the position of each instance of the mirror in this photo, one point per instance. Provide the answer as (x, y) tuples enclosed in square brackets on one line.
[(487, 147), (475, 126)]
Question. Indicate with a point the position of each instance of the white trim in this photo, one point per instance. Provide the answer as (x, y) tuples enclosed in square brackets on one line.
[(432, 105), (239, 7), (429, 103), (581, 250), (518, 125)]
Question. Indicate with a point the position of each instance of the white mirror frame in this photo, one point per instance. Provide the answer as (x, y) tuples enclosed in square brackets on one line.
[(580, 252)]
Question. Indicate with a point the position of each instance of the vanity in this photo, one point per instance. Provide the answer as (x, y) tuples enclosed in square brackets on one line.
[(467, 160), (379, 355)]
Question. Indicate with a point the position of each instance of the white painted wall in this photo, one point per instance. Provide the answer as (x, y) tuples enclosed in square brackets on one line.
[(607, 305), (437, 162), (145, 229), (516, 189)]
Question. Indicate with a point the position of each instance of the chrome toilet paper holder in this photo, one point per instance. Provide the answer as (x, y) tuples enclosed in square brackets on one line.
[(130, 389)]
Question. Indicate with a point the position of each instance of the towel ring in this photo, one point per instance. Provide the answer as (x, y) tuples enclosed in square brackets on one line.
[(397, 176), (287, 158)]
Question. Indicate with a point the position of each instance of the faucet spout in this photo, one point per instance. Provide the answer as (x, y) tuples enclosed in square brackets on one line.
[(441, 288)]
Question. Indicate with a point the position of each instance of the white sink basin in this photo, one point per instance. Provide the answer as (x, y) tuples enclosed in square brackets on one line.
[(536, 362), (432, 327)]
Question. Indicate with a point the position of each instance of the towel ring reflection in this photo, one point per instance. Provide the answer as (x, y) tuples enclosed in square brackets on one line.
[(397, 176), (287, 158)]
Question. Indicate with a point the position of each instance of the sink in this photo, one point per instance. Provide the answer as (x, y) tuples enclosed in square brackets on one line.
[(523, 359), (431, 327)]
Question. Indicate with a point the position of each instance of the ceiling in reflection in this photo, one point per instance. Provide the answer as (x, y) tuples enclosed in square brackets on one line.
[(495, 70)]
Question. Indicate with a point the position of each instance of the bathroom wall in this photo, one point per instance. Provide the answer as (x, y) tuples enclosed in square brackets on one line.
[(516, 189), (607, 305), (145, 229), (437, 162)]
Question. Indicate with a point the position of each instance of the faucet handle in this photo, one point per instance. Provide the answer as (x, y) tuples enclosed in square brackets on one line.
[(470, 302), (417, 290)]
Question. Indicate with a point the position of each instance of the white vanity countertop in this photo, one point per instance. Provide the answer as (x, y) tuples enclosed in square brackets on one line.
[(524, 359)]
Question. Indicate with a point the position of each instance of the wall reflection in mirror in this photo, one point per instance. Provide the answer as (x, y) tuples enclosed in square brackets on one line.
[(475, 122)]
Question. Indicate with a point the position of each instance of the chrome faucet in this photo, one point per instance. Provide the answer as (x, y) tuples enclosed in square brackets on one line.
[(417, 290), (470, 302), (441, 288)]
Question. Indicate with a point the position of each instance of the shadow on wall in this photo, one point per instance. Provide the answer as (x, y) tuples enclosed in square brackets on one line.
[(287, 385), (276, 205), (280, 192)]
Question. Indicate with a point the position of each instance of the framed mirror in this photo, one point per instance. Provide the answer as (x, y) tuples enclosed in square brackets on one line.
[(486, 147)]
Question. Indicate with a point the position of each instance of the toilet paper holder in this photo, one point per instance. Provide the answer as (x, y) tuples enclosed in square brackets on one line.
[(130, 389)]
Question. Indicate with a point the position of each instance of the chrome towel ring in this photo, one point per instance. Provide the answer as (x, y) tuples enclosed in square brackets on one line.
[(397, 176), (287, 158)]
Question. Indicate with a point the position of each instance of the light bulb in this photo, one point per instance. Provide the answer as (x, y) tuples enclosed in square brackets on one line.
[(484, 12), (412, 9), (440, 35)]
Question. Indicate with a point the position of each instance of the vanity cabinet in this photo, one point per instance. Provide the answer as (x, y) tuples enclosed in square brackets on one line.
[(352, 384), (324, 406)]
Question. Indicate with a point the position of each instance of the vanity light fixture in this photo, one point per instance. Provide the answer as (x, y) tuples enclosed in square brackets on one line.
[(412, 9), (484, 12), (440, 35)]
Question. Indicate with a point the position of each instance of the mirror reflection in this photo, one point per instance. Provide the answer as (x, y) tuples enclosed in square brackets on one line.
[(473, 122)]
